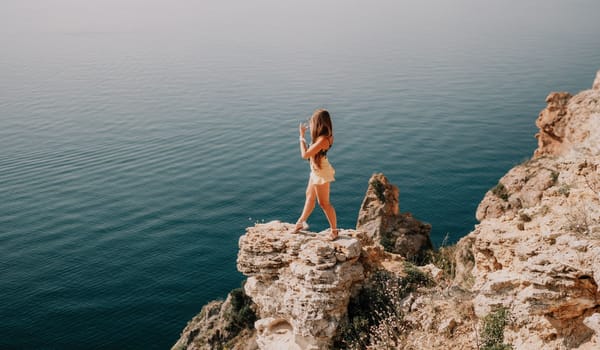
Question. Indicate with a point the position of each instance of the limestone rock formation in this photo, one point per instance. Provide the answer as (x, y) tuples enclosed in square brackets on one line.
[(535, 255), (218, 325), (300, 286), (300, 283), (380, 217), (536, 250), (569, 124), (553, 122)]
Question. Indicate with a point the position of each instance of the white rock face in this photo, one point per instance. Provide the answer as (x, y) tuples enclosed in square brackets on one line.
[(593, 323), (536, 250), (275, 334), (301, 283)]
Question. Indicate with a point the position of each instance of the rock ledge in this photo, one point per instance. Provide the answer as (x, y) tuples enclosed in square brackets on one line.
[(301, 283)]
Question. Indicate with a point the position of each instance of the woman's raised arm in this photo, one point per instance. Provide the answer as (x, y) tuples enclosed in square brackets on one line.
[(307, 152)]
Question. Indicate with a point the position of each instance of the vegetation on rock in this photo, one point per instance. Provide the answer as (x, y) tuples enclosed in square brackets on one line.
[(241, 315), (500, 191), (492, 334), (443, 258), (379, 190), (375, 316)]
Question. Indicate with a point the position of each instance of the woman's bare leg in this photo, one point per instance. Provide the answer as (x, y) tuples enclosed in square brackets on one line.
[(323, 198), (309, 204)]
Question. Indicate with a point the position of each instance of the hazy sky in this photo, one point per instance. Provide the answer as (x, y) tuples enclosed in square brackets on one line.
[(34, 31), (275, 20)]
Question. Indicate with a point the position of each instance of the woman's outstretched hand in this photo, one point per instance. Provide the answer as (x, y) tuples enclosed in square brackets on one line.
[(302, 129)]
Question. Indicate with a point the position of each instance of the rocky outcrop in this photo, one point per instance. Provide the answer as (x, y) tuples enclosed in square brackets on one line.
[(534, 259), (535, 253), (553, 122), (569, 124), (536, 250), (300, 283), (221, 324), (381, 218)]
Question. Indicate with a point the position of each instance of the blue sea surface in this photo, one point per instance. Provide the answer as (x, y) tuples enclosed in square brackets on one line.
[(138, 139)]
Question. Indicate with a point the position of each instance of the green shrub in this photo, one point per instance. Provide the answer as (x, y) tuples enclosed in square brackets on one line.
[(501, 192), (565, 189), (554, 175), (375, 315), (379, 190), (388, 242), (414, 278), (492, 334), (241, 315)]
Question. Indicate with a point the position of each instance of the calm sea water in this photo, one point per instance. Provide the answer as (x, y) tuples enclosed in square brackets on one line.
[(138, 139)]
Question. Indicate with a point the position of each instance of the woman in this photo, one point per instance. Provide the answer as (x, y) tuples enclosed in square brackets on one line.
[(322, 173)]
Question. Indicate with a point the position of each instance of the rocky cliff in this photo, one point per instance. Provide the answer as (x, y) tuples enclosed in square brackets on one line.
[(526, 277), (300, 286), (536, 251)]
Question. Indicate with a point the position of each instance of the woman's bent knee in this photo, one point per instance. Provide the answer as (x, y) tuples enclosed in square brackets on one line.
[(325, 205)]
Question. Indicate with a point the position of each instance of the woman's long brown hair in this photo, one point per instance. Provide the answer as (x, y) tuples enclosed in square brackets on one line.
[(320, 126)]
